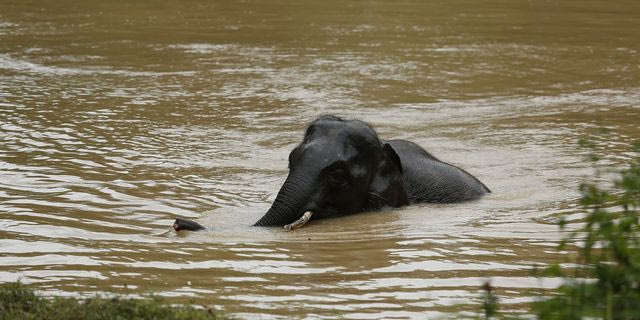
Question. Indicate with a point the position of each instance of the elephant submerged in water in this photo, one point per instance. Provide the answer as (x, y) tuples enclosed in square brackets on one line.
[(342, 167)]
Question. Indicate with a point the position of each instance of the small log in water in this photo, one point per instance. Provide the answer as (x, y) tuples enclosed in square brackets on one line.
[(184, 224)]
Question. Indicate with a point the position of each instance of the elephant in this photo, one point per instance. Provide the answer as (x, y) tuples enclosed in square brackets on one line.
[(342, 167)]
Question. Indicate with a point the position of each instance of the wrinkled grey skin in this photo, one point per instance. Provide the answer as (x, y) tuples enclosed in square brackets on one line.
[(342, 167), (427, 179)]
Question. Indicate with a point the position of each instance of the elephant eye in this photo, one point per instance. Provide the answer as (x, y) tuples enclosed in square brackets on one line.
[(337, 174)]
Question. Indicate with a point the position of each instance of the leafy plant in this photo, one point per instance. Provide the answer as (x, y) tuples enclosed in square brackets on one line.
[(490, 301), (606, 282)]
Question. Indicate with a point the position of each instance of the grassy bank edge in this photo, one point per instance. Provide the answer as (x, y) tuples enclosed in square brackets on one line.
[(20, 302)]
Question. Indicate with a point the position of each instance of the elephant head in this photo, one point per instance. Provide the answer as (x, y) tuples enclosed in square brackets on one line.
[(340, 167)]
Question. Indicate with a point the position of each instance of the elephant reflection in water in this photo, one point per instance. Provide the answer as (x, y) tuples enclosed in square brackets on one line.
[(341, 167)]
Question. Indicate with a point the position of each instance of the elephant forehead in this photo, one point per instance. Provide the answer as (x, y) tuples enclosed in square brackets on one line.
[(326, 144), (329, 151), (339, 131)]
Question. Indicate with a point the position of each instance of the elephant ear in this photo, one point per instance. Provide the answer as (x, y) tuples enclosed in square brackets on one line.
[(391, 156), (387, 187)]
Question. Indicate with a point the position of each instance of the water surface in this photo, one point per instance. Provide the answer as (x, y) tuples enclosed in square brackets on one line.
[(118, 116)]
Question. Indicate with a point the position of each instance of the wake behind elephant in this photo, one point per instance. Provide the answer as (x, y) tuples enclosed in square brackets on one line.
[(341, 167)]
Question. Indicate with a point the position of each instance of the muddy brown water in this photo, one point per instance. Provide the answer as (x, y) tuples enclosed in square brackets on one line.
[(117, 116)]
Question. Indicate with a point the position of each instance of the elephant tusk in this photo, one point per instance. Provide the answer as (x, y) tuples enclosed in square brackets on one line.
[(300, 222)]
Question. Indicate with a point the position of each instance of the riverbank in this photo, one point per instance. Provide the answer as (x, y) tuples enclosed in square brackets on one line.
[(20, 302)]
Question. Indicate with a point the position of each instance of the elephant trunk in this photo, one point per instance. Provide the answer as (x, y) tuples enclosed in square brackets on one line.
[(289, 203)]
